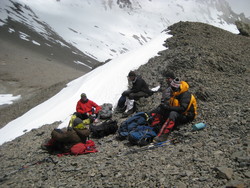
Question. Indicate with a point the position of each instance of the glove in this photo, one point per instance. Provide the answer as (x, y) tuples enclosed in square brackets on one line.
[(165, 106), (93, 115), (69, 129), (162, 101)]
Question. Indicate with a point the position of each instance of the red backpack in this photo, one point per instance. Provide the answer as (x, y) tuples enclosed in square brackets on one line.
[(81, 148)]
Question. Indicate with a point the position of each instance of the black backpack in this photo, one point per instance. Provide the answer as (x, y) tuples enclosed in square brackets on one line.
[(103, 128)]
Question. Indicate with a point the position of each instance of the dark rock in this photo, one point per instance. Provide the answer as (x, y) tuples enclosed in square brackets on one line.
[(243, 28), (224, 172)]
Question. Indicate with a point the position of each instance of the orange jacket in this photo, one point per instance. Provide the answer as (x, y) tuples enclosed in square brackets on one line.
[(183, 101)]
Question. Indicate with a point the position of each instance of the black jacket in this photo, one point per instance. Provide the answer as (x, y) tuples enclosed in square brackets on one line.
[(140, 85)]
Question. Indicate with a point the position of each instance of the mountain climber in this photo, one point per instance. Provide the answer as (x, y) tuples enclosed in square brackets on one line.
[(166, 90), (182, 108), (63, 139), (86, 109), (139, 89)]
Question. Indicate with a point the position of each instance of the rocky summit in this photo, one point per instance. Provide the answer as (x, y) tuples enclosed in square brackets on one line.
[(216, 65)]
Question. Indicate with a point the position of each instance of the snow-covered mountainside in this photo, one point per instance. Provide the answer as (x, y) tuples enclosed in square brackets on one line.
[(103, 29), (19, 23)]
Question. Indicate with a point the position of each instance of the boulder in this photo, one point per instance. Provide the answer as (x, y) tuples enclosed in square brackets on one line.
[(243, 28)]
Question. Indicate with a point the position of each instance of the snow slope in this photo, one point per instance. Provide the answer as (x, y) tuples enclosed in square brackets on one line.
[(104, 29), (103, 84)]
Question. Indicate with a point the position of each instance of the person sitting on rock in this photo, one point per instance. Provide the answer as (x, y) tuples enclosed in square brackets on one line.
[(139, 89), (86, 108), (182, 108), (166, 93)]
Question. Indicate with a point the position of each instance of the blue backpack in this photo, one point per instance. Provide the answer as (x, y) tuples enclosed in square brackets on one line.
[(137, 129)]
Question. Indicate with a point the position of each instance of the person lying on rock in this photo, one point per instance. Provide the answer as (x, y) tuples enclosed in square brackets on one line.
[(139, 89), (181, 108), (63, 139)]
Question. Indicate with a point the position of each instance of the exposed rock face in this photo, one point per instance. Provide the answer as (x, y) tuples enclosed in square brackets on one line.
[(243, 28), (216, 65)]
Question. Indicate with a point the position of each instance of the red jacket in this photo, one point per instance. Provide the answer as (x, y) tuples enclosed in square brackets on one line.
[(86, 107)]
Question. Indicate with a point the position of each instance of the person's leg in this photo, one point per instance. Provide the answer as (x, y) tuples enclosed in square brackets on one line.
[(121, 101), (167, 127), (138, 95), (130, 104), (81, 116)]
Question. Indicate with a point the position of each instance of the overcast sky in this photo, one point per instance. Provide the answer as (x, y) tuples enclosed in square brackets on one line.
[(240, 6)]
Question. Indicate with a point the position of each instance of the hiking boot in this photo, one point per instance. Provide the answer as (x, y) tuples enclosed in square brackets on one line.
[(161, 138), (119, 109), (126, 114), (120, 138)]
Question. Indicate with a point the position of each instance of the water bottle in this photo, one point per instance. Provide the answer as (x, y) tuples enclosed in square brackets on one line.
[(198, 126)]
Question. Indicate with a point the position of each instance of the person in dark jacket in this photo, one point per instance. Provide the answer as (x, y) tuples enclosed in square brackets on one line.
[(139, 89), (182, 108), (166, 91)]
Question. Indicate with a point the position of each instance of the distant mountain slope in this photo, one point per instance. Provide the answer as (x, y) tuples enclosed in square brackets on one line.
[(18, 21), (103, 29)]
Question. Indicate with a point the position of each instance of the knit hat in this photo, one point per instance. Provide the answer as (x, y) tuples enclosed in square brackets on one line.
[(83, 95), (131, 73), (169, 75), (176, 83)]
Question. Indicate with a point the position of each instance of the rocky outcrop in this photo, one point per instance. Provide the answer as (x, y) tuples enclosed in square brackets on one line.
[(216, 65), (243, 28)]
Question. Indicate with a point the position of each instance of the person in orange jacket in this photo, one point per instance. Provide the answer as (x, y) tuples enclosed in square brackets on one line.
[(182, 108), (86, 108)]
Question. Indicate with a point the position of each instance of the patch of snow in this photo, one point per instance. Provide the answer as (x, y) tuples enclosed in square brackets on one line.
[(24, 36), (36, 43), (8, 98), (11, 30), (81, 63)]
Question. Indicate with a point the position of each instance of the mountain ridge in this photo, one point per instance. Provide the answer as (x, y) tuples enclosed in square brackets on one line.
[(215, 63), (135, 23)]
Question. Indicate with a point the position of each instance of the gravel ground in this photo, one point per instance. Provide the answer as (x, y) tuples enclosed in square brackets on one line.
[(216, 65)]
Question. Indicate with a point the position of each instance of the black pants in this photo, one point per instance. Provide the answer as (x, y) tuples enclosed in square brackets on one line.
[(177, 117), (81, 116), (131, 96)]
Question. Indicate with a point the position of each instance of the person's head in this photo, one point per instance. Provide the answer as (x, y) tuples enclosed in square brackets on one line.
[(175, 84), (84, 97), (131, 75), (169, 77)]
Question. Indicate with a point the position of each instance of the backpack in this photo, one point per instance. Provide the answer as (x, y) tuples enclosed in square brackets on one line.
[(58, 148), (139, 119), (137, 129), (81, 148), (103, 128), (106, 111), (142, 135)]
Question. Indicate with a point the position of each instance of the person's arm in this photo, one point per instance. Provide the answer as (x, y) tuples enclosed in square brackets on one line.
[(137, 86), (96, 106), (79, 108), (184, 101)]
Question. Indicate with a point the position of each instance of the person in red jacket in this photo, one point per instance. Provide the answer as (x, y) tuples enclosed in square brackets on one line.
[(86, 108)]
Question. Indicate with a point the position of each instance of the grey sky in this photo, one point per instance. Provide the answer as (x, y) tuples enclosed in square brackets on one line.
[(240, 6)]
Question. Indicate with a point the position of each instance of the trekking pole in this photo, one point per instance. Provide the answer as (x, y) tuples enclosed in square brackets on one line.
[(46, 159), (151, 146)]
